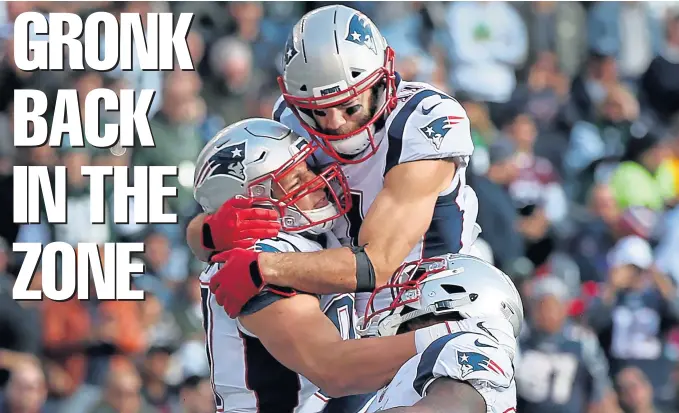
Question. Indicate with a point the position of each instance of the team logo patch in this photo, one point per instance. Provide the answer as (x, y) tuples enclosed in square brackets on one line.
[(436, 130), (471, 361), (229, 161), (361, 32), (290, 50)]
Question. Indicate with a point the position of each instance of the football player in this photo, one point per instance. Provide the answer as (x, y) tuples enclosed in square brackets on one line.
[(404, 147), (255, 359), (469, 370)]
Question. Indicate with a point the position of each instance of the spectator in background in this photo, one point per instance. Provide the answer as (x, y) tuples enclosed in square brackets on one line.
[(633, 314), (236, 83), (597, 234), (86, 339), (636, 393), (544, 92), (667, 258), (404, 30), (596, 147), (660, 84), (561, 367), (627, 30), (497, 215), (155, 388), (196, 395), (536, 191), (19, 327), (160, 327), (642, 178), (196, 48), (122, 393), (554, 27), (26, 391), (489, 41), (483, 131), (589, 90), (176, 132), (264, 38)]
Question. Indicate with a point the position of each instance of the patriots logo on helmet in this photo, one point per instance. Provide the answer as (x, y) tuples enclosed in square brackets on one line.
[(361, 32), (290, 50), (471, 361), (229, 160), (436, 130)]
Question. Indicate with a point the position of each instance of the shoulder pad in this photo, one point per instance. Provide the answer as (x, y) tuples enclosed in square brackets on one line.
[(430, 125), (465, 356)]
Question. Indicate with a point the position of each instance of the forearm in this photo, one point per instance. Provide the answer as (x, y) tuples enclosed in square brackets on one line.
[(363, 366), (322, 272), (194, 235)]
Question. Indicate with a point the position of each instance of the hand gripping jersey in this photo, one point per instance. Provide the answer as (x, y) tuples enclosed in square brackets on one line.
[(479, 353), (245, 377), (426, 124)]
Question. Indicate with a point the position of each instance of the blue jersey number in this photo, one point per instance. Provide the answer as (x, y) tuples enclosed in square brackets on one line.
[(341, 313)]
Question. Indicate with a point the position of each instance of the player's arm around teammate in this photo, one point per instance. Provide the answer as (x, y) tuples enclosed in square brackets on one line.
[(398, 218), (396, 221), (300, 336)]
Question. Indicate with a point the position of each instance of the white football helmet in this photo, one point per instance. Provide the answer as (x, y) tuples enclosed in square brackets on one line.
[(248, 157), (451, 283), (333, 54)]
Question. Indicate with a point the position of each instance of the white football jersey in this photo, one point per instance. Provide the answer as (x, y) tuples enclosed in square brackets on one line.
[(426, 124), (478, 352), (245, 377)]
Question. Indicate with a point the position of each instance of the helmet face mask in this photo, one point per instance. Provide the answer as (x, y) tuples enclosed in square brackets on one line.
[(315, 79), (405, 286), (331, 180)]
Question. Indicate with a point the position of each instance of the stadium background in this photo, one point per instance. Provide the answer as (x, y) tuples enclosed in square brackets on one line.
[(575, 117)]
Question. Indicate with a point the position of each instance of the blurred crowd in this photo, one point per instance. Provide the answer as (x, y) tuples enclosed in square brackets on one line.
[(574, 109)]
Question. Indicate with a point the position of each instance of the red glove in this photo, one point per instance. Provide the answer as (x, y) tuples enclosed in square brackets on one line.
[(237, 225), (237, 281)]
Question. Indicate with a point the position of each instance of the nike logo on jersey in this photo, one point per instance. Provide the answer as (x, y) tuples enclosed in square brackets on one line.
[(477, 343), (482, 327), (428, 111)]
